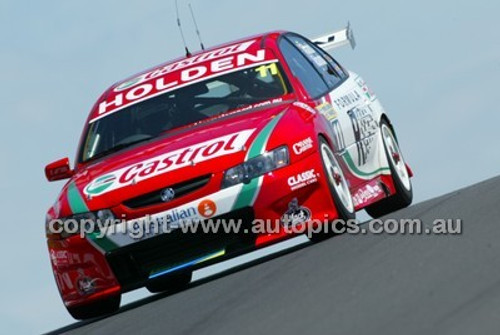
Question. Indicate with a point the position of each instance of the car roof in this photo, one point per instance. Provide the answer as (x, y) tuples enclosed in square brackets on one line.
[(182, 63)]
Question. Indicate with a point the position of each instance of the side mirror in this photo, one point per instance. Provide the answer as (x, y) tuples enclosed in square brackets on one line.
[(58, 170)]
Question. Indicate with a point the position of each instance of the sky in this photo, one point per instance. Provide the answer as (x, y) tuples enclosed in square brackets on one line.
[(434, 65)]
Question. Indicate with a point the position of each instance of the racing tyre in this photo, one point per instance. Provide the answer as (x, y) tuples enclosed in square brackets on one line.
[(339, 189), (96, 309), (400, 176), (171, 283)]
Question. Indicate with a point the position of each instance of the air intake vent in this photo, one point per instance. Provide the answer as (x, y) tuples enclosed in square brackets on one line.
[(179, 190)]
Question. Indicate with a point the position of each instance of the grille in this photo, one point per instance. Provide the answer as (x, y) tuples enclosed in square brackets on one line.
[(133, 264), (180, 190)]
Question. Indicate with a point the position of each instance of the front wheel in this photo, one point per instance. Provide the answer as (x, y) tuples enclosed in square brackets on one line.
[(95, 309), (404, 190), (339, 189)]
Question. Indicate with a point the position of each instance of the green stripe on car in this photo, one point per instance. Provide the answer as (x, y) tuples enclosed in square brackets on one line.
[(352, 166), (75, 200), (249, 191), (78, 205)]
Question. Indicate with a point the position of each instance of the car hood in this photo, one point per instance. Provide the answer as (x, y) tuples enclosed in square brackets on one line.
[(202, 150)]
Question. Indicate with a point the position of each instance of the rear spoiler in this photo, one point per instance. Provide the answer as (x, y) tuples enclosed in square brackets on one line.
[(336, 39)]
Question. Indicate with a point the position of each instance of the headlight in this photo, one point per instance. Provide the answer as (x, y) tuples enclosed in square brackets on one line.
[(78, 223), (256, 167)]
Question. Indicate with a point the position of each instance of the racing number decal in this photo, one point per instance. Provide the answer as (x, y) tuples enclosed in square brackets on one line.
[(339, 141), (264, 70), (362, 152), (355, 127), (327, 110), (364, 127)]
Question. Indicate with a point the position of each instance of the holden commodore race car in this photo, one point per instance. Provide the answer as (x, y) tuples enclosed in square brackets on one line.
[(269, 127)]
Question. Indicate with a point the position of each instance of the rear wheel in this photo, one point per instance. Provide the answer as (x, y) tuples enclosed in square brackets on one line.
[(339, 189), (404, 190), (95, 309), (172, 283)]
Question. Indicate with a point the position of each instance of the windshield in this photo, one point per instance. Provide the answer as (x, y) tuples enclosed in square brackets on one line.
[(185, 106)]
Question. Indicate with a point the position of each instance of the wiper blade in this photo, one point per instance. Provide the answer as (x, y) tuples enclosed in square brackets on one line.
[(122, 145)]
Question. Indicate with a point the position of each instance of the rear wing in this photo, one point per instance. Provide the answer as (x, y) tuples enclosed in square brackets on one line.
[(337, 39)]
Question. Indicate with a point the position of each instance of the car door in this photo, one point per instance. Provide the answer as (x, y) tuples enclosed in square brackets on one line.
[(347, 106)]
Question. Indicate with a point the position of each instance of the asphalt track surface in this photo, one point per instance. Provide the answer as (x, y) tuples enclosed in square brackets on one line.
[(350, 284)]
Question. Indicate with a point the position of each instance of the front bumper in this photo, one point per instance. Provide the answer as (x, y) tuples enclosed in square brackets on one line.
[(135, 264), (119, 263)]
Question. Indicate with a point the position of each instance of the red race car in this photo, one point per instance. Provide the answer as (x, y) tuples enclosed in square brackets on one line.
[(269, 134)]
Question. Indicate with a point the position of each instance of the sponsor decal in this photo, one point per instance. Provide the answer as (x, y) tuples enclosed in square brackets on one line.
[(250, 107), (367, 193), (347, 100), (171, 218), (161, 71), (305, 106), (327, 110), (85, 285), (295, 214), (302, 146), (266, 103), (100, 185), (59, 257), (207, 208), (144, 227), (177, 215), (366, 90), (303, 179), (156, 84), (168, 162)]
